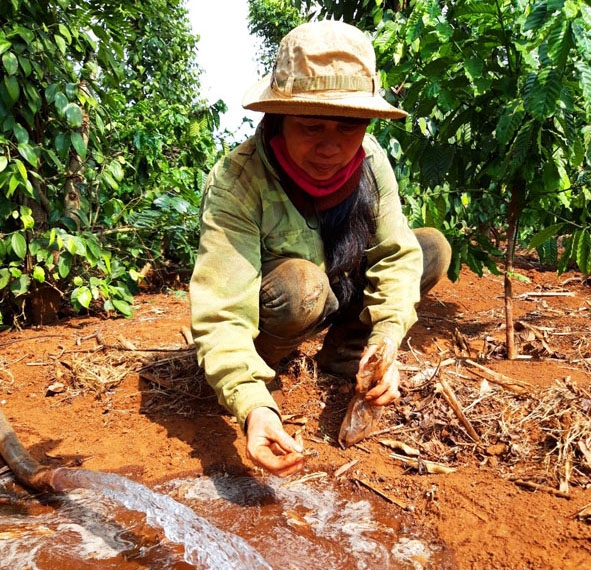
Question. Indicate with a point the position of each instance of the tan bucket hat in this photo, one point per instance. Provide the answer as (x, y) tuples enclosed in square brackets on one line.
[(323, 68)]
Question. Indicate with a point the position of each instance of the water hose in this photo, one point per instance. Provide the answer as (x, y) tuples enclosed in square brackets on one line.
[(28, 471)]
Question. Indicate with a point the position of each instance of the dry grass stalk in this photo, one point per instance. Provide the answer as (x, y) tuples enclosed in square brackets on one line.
[(449, 395), (381, 493), (546, 294), (344, 468), (585, 513), (517, 386), (541, 434), (423, 465), (401, 446), (539, 487), (562, 415)]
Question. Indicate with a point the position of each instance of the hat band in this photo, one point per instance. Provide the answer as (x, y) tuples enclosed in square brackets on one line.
[(294, 85)]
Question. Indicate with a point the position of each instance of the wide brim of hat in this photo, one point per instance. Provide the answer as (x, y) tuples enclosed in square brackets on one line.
[(260, 97)]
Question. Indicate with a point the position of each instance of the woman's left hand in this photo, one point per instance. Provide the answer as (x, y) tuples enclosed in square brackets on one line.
[(386, 375)]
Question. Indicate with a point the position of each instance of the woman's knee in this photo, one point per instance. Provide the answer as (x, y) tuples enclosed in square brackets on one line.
[(295, 296), (436, 257)]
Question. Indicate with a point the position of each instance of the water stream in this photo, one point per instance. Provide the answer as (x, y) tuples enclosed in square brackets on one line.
[(267, 523), (205, 546)]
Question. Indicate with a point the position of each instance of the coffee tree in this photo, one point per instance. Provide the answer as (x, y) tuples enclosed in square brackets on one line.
[(498, 142), (496, 150)]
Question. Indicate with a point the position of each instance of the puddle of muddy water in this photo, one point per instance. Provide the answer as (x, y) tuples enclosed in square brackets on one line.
[(297, 524)]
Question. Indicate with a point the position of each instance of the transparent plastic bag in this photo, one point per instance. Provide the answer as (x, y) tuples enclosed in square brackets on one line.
[(361, 418)]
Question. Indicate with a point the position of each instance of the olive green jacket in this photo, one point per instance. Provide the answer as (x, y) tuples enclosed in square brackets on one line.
[(246, 220)]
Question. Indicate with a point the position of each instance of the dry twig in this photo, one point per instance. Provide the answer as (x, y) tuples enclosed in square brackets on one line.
[(517, 386), (449, 395), (422, 465), (386, 496)]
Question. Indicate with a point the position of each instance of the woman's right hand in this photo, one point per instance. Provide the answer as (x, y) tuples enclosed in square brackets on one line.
[(269, 446)]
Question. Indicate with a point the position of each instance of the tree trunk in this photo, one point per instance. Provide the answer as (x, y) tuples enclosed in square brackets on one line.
[(514, 212), (72, 200)]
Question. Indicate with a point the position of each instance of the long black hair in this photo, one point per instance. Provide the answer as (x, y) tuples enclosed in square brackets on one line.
[(347, 229)]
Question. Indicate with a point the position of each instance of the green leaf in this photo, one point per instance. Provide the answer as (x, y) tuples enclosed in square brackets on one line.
[(12, 89), (109, 180), (585, 80), (28, 221), (13, 184), (24, 33), (62, 144), (61, 102), (537, 17), (93, 250), (4, 277), (543, 235), (33, 98), (51, 92), (542, 93), (20, 285), (83, 296), (520, 148), (61, 43), (559, 41), (10, 63), (64, 264), (25, 65), (54, 158), (73, 115), (65, 32), (39, 274), (116, 170), (123, 307), (18, 245), (435, 163), (21, 169), (5, 45), (20, 133), (582, 39), (3, 162), (78, 144), (28, 153), (509, 122), (583, 253)]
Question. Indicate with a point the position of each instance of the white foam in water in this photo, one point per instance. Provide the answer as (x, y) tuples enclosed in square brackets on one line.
[(307, 524), (90, 545), (80, 528), (295, 524), (77, 529), (205, 545), (412, 551), (51, 534)]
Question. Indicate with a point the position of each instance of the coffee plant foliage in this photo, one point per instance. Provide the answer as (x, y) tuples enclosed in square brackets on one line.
[(499, 102)]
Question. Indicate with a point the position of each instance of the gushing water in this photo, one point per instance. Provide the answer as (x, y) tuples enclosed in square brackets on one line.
[(205, 545), (308, 522)]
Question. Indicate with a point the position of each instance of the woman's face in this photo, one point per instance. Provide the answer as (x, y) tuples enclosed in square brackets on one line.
[(321, 147)]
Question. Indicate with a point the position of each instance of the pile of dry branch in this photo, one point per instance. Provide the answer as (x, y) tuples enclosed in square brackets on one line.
[(460, 410)]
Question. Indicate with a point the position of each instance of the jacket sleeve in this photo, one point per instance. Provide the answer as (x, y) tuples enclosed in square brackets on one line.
[(224, 293), (395, 262)]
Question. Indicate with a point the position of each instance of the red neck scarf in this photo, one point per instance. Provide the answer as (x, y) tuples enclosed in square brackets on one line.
[(316, 188)]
